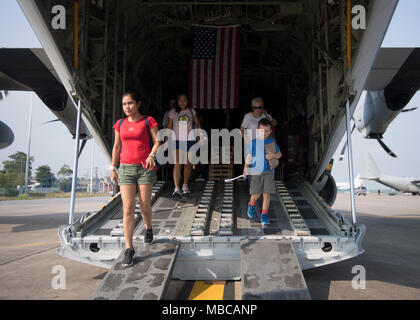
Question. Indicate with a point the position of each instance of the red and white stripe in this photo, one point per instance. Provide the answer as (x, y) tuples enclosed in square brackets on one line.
[(214, 83)]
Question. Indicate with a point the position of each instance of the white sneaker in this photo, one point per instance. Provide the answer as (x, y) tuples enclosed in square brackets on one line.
[(185, 189), (177, 192)]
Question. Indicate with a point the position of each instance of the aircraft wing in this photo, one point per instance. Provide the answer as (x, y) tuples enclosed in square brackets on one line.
[(31, 70), (395, 67)]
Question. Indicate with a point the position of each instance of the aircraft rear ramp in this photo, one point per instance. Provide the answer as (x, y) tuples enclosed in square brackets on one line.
[(147, 279), (209, 231), (274, 276)]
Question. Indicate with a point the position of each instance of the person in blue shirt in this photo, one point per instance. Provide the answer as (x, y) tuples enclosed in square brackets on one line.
[(259, 165)]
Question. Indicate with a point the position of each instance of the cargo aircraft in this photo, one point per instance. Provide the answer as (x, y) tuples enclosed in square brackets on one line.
[(370, 171)]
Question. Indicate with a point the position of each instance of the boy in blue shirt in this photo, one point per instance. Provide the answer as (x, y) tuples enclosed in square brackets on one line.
[(259, 165)]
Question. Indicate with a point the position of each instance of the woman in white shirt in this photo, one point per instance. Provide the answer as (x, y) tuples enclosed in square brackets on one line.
[(251, 120), (182, 119)]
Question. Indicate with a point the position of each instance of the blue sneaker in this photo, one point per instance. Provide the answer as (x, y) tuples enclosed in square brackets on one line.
[(251, 211), (264, 219)]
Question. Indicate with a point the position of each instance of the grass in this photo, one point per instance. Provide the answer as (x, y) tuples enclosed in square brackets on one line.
[(51, 195)]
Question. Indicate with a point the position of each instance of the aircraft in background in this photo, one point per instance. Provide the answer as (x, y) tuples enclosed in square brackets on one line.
[(370, 171), (345, 186)]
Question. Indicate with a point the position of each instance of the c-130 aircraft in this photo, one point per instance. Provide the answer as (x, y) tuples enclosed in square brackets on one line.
[(302, 57), (370, 171)]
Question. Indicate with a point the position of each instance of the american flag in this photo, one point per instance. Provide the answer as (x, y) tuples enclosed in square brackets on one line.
[(214, 67)]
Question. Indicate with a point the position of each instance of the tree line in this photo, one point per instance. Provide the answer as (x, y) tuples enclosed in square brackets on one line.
[(13, 173)]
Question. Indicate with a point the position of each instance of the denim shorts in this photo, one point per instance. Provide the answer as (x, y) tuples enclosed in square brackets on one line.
[(135, 174), (189, 144)]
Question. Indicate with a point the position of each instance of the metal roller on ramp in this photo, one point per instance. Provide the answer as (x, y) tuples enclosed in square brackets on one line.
[(270, 271)]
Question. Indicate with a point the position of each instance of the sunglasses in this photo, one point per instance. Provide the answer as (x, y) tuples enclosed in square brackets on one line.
[(257, 108)]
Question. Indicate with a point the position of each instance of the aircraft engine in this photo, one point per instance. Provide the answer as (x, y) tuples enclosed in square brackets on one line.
[(382, 105), (6, 135), (378, 111)]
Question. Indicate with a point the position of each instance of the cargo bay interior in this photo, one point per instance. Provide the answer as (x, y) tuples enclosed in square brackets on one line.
[(291, 54)]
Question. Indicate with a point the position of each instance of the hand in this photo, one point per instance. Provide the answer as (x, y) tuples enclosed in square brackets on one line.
[(114, 176), (245, 173), (203, 138), (150, 163), (270, 156)]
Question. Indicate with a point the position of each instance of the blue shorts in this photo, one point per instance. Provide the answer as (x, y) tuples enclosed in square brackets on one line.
[(189, 144)]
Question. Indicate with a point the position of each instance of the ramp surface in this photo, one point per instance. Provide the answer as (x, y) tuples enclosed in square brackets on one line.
[(270, 271), (147, 279)]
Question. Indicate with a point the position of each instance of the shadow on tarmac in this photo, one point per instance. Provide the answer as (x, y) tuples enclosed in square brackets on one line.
[(37, 222)]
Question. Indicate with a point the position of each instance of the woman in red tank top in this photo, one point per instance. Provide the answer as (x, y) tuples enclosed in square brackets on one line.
[(136, 171)]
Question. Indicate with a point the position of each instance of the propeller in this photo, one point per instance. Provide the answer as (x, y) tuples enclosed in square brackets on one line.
[(384, 146), (3, 94), (409, 110), (55, 120)]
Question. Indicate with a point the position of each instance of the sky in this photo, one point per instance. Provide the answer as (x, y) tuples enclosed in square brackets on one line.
[(402, 134), (52, 144)]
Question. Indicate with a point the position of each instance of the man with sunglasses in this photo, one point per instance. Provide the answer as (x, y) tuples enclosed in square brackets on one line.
[(252, 119)]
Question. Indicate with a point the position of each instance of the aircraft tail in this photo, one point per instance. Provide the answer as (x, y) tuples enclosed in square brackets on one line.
[(369, 170), (358, 182)]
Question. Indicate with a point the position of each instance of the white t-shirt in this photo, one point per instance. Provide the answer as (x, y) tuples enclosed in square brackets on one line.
[(182, 123), (250, 122)]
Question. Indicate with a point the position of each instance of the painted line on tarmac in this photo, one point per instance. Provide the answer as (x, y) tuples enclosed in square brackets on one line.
[(28, 245), (34, 244), (28, 255), (204, 290)]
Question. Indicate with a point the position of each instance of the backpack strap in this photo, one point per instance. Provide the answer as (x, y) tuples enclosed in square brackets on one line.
[(119, 126), (146, 120), (148, 131)]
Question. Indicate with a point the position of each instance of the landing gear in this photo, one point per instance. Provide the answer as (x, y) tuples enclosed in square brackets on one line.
[(329, 192)]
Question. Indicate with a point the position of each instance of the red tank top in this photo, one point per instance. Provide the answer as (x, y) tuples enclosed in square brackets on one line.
[(135, 146)]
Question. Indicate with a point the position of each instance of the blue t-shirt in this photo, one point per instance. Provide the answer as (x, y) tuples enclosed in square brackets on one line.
[(257, 149)]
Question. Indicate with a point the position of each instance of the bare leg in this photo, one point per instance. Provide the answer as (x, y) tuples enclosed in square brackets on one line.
[(145, 196), (128, 196), (266, 201), (187, 172), (255, 197), (177, 170)]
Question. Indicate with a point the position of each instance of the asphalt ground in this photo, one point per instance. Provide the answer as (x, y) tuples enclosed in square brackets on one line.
[(29, 240), (392, 257)]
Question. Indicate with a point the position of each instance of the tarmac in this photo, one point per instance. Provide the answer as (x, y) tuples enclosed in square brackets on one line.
[(29, 262)]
